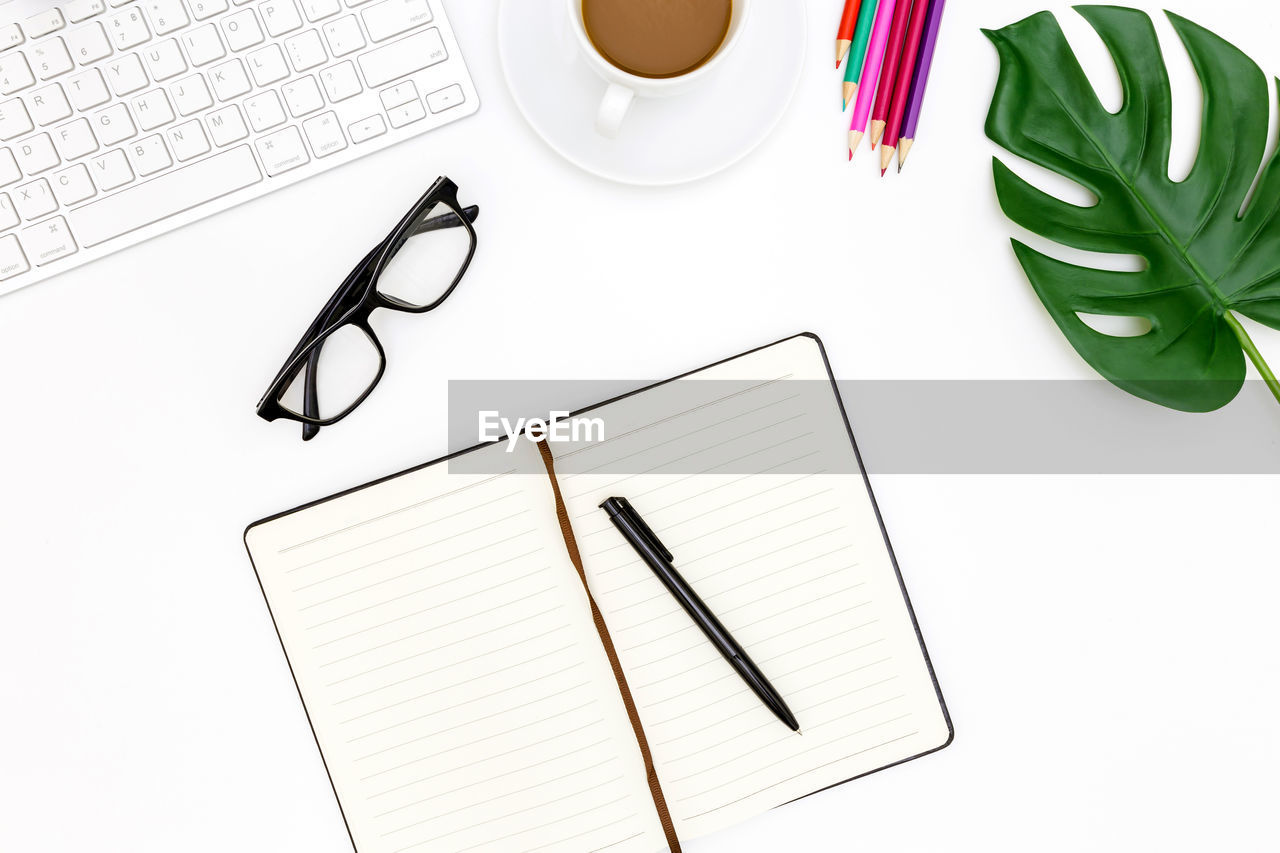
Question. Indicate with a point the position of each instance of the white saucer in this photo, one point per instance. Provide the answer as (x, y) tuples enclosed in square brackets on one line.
[(663, 141)]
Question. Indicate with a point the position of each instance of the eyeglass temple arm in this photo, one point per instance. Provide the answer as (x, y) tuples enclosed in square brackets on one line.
[(449, 220)]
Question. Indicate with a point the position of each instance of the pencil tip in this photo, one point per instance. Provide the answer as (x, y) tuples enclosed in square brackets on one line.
[(882, 172)]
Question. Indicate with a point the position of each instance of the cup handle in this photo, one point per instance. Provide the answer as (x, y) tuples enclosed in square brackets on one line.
[(613, 109)]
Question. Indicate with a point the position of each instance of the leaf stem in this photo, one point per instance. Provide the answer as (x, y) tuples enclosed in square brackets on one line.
[(1251, 350)]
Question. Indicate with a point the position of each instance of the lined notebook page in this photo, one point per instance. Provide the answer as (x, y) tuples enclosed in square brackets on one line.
[(448, 662), (770, 521)]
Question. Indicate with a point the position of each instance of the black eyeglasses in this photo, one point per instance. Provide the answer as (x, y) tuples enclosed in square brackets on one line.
[(413, 270)]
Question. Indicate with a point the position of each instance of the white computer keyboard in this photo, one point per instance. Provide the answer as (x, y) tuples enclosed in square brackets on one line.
[(123, 119)]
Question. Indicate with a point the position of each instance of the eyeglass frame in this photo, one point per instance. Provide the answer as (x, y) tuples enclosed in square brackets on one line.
[(355, 300)]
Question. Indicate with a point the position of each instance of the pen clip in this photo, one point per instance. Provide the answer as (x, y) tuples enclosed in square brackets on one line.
[(644, 529)]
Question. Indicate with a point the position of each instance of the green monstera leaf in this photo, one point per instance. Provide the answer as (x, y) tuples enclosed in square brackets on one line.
[(1205, 258)]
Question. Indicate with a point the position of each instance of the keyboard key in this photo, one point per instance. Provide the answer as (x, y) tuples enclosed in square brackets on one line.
[(50, 58), (317, 10), (279, 16), (35, 199), (166, 15), (340, 82), (113, 124), (49, 105), (302, 96), (89, 43), (282, 151), (367, 128), (205, 9), (73, 185), (83, 10), (10, 36), (127, 29), (264, 111), (75, 139), (12, 260), (401, 93), (14, 120), (126, 75), (15, 73), (165, 196), (115, 4), (191, 95), (36, 154), (305, 50), (8, 215), (203, 45), (343, 35), (413, 53), (188, 140), (393, 17), (149, 155), (165, 60), (229, 80), (242, 30), (9, 171), (446, 98), (324, 132), (267, 65), (49, 241), (43, 23), (152, 109), (227, 126), (111, 170), (407, 114), (87, 90)]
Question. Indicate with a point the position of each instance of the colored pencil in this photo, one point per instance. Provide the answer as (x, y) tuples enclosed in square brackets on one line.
[(858, 52), (920, 80), (844, 36), (892, 58), (902, 85), (871, 72)]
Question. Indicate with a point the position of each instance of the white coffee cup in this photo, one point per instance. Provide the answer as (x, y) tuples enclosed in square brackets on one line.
[(624, 88)]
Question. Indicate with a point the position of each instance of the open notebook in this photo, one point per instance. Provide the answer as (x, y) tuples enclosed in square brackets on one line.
[(445, 649)]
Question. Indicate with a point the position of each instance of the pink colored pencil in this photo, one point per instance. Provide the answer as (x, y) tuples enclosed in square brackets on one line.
[(889, 70), (902, 85), (871, 72)]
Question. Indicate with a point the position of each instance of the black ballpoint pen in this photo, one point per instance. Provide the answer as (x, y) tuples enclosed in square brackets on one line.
[(659, 559)]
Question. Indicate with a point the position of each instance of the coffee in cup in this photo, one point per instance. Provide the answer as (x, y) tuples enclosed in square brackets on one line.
[(657, 38)]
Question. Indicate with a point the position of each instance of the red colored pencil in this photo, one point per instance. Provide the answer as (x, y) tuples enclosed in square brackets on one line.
[(889, 73), (844, 36), (902, 87)]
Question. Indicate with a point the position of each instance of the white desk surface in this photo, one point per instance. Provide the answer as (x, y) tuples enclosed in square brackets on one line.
[(1106, 644)]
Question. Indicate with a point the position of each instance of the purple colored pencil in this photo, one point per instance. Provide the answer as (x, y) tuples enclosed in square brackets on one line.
[(920, 79)]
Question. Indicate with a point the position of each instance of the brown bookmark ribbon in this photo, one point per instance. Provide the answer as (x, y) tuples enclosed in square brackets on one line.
[(571, 543)]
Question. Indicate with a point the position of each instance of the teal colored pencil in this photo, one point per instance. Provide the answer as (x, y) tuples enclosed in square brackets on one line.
[(858, 50)]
